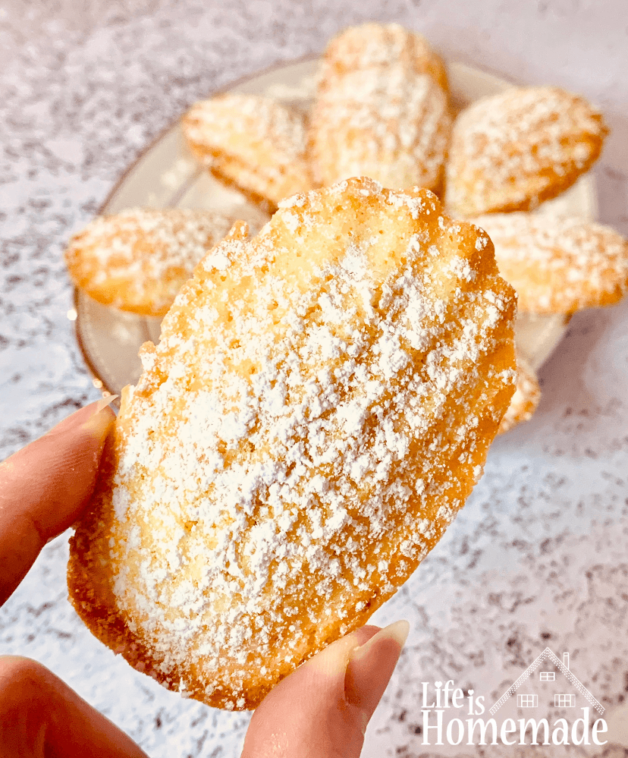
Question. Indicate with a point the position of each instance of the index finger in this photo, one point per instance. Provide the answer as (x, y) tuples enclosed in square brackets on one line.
[(45, 486)]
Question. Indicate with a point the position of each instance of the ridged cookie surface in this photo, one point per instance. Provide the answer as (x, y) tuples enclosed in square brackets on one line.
[(387, 123), (318, 409), (138, 260), (372, 45), (382, 110), (252, 142), (558, 265), (513, 150), (526, 398)]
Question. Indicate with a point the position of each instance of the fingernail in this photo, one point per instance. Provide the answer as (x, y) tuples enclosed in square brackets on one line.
[(105, 402), (82, 416), (371, 665), (398, 632), (100, 421)]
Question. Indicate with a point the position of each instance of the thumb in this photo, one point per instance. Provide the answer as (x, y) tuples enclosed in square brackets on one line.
[(323, 708), (45, 486)]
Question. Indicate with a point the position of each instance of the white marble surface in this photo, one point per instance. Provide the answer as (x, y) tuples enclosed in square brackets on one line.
[(538, 557)]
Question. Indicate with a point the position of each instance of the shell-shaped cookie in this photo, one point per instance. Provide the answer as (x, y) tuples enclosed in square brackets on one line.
[(252, 142), (319, 407), (526, 398), (138, 260), (558, 265), (387, 123), (513, 150), (372, 45)]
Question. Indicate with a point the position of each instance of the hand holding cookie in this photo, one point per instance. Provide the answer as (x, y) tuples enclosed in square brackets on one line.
[(319, 711)]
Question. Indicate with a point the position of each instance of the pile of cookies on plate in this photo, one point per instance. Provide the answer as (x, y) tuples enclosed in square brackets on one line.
[(382, 110), (324, 394)]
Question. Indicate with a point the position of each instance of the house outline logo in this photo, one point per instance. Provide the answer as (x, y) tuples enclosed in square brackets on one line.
[(548, 655)]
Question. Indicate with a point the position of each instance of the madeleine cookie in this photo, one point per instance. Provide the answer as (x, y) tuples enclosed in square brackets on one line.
[(381, 110), (374, 45), (318, 409), (511, 151), (252, 142), (387, 123), (558, 265), (138, 260), (526, 398)]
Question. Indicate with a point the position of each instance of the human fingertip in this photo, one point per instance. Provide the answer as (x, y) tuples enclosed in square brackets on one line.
[(307, 713), (398, 632), (101, 420), (82, 416), (105, 402), (333, 660), (371, 665)]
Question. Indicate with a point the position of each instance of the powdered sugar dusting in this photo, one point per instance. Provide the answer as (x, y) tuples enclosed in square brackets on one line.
[(558, 264), (371, 46), (287, 454), (382, 109), (512, 150), (387, 123), (137, 260), (254, 142), (526, 398)]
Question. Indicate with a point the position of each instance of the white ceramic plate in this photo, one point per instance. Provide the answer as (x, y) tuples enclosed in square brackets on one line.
[(166, 175)]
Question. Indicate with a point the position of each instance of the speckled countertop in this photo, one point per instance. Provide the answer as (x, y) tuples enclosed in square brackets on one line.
[(538, 557)]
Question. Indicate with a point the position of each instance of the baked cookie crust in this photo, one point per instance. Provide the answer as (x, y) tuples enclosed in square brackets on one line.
[(138, 260), (371, 46), (558, 265), (318, 409), (526, 398), (512, 151), (382, 110), (253, 143)]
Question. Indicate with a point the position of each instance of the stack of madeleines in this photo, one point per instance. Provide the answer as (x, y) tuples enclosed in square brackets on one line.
[(382, 110)]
